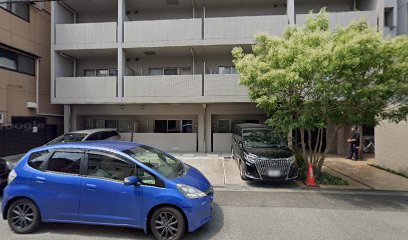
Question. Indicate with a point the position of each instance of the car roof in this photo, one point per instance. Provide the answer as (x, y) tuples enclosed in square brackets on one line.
[(109, 145), (90, 131)]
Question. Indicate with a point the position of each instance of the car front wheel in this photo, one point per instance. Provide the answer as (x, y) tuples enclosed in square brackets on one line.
[(167, 223), (23, 216)]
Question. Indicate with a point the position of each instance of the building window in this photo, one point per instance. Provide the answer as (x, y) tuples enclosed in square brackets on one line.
[(13, 60), (100, 72), (173, 126), (226, 125), (20, 9), (226, 70), (170, 71), (389, 17)]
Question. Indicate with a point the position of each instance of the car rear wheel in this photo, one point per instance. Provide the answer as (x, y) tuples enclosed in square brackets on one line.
[(242, 170), (167, 223), (23, 216)]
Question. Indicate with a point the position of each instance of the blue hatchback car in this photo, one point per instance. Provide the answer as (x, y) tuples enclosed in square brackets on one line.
[(107, 183)]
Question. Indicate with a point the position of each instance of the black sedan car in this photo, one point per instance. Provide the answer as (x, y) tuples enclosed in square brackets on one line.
[(4, 171), (262, 153)]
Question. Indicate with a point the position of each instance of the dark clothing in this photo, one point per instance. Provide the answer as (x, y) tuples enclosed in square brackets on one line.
[(354, 146)]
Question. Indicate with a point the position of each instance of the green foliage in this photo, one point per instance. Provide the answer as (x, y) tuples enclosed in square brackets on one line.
[(312, 77), (327, 179)]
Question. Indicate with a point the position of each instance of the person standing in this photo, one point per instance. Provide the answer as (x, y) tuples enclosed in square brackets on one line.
[(354, 141)]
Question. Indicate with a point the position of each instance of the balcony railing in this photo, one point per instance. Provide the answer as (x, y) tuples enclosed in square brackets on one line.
[(339, 19), (86, 89), (223, 85), (177, 88), (243, 28), (163, 30), (86, 33)]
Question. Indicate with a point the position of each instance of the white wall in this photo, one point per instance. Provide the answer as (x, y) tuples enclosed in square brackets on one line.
[(169, 142), (391, 146), (222, 142)]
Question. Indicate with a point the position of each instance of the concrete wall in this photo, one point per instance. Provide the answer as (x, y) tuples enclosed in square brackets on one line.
[(402, 26), (391, 141), (86, 33), (344, 18), (16, 89), (222, 142), (225, 85), (169, 142)]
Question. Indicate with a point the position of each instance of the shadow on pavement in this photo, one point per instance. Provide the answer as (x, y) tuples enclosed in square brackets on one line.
[(274, 184), (207, 231)]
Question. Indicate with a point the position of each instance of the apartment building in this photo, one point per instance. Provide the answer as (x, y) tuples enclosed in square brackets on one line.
[(163, 68), (25, 73), (391, 140)]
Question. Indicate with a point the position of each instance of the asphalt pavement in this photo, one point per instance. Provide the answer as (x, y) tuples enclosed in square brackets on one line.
[(280, 214)]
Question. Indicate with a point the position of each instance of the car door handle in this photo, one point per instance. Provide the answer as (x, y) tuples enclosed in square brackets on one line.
[(40, 179), (91, 186)]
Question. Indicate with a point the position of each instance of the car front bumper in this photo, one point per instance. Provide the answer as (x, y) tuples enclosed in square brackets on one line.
[(198, 211), (251, 172)]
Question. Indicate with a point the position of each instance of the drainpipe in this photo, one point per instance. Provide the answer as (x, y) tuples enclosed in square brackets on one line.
[(69, 9), (37, 91)]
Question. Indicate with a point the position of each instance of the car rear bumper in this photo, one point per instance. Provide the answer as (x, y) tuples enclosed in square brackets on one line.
[(199, 212)]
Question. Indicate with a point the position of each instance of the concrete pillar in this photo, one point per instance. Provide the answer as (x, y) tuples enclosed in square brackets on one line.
[(380, 15), (291, 11), (67, 118), (200, 132), (208, 129), (121, 53)]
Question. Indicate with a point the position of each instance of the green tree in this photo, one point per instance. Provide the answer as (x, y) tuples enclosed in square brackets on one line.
[(312, 77)]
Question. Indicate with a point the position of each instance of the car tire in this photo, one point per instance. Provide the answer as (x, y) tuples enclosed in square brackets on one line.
[(242, 169), (23, 216), (167, 223)]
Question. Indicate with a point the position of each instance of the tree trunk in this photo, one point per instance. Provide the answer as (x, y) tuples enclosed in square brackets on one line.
[(309, 137), (326, 151), (302, 139), (290, 138)]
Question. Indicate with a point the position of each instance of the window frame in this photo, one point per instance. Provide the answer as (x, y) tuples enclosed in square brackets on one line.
[(16, 53), (54, 151), (158, 182), (9, 10), (177, 120)]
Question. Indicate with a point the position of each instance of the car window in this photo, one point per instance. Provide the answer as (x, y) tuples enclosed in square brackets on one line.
[(65, 162), (69, 137), (95, 136), (37, 159), (112, 168)]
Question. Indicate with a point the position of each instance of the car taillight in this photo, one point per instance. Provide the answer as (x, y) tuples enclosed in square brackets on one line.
[(12, 175)]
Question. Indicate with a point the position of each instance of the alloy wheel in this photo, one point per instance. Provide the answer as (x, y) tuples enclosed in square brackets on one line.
[(167, 225), (22, 216)]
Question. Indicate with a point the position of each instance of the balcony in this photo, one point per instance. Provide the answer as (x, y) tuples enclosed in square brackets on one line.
[(242, 29), (224, 88), (70, 90), (163, 89), (162, 32), (86, 35), (340, 19)]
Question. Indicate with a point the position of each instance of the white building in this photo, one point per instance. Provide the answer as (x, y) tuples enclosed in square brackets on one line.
[(164, 67)]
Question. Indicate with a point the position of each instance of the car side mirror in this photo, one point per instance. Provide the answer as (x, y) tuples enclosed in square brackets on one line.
[(132, 180)]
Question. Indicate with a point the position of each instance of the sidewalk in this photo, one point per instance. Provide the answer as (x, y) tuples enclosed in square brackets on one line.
[(362, 176), (223, 172)]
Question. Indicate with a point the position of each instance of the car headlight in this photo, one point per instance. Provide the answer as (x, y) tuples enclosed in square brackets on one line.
[(190, 192), (250, 157), (10, 166), (292, 159), (12, 175)]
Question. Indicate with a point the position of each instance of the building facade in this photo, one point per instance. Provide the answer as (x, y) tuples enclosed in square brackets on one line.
[(25, 58), (163, 68), (391, 140)]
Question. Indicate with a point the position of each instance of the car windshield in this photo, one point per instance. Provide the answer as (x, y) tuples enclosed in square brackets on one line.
[(69, 137), (166, 165), (264, 138)]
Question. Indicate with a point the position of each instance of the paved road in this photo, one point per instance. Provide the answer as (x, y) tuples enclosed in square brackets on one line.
[(273, 215)]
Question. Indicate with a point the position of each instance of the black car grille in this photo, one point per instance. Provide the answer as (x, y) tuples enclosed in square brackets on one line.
[(263, 165)]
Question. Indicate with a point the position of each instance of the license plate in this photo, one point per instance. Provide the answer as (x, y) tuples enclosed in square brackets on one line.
[(274, 173)]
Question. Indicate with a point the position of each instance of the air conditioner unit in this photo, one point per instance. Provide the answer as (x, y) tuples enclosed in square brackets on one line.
[(32, 105), (2, 118)]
